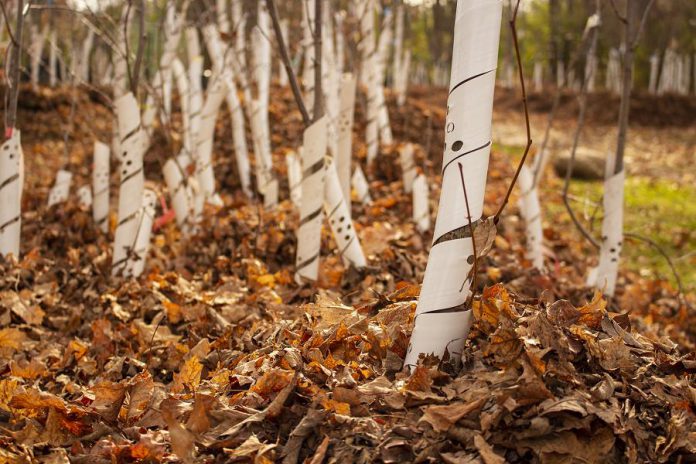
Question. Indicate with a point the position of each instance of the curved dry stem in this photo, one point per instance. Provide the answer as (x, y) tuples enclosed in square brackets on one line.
[(661, 251), (513, 29)]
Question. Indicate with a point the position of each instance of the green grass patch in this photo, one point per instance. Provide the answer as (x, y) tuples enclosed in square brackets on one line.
[(657, 209), (660, 210)]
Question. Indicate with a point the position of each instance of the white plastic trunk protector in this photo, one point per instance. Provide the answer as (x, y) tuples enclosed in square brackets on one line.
[(11, 184), (61, 188), (100, 186), (311, 210), (442, 323)]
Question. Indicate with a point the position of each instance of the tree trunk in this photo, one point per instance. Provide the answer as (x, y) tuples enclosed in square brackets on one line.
[(613, 202), (442, 318)]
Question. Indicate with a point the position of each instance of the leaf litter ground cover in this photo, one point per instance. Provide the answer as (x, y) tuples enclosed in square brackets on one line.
[(215, 355)]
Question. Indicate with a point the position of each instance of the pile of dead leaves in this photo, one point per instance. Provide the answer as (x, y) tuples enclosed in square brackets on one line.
[(216, 355)]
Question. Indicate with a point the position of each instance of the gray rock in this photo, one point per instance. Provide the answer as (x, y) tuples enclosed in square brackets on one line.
[(588, 165)]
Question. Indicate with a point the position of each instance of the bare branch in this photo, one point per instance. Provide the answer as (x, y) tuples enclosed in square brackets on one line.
[(318, 111), (7, 24), (616, 11), (641, 26), (471, 230), (141, 49), (272, 10), (578, 130), (11, 117), (513, 29)]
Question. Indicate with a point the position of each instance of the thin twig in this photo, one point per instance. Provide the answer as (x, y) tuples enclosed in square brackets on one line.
[(7, 24), (660, 250), (513, 29), (581, 122), (616, 11), (539, 160), (135, 77), (641, 26), (125, 40), (471, 230), (11, 118), (286, 62), (318, 110)]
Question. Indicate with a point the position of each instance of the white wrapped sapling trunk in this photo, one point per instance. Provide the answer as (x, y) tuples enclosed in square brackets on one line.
[(52, 59), (84, 197), (346, 115), (182, 86), (531, 211), (224, 75), (180, 193), (538, 76), (100, 186), (283, 75), (11, 180), (339, 217), (204, 161), (612, 234), (266, 183), (311, 212), (408, 166), (294, 167), (362, 188), (146, 217), (442, 319), (421, 203), (61, 188), (131, 185), (369, 76)]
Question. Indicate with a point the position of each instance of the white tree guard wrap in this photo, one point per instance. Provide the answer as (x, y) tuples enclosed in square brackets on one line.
[(204, 162), (84, 57), (61, 188), (11, 186), (308, 10), (223, 71), (538, 76), (530, 211), (408, 166), (262, 151), (179, 192), (385, 133), (613, 75), (398, 44), (401, 80), (294, 167), (344, 124), (442, 323), (223, 19), (342, 226), (182, 86), (262, 56), (282, 73), (131, 184), (146, 216), (340, 42), (311, 211), (35, 51), (331, 82), (52, 59), (195, 101), (612, 233), (421, 203), (100, 186), (362, 188), (369, 75), (84, 196)]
